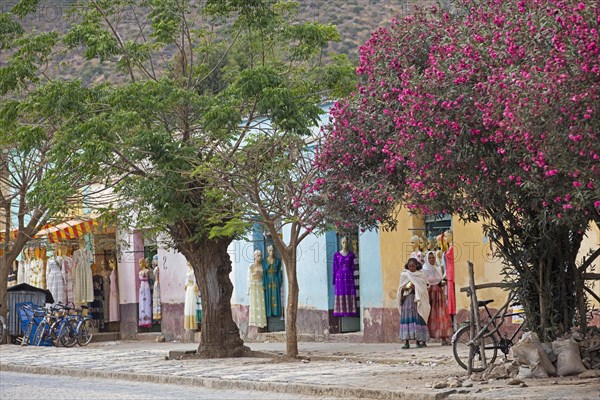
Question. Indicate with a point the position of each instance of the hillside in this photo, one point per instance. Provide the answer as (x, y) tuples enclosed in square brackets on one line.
[(355, 20)]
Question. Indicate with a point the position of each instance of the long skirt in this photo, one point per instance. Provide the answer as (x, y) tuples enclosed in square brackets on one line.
[(189, 308), (257, 313), (412, 325), (439, 323), (145, 314)]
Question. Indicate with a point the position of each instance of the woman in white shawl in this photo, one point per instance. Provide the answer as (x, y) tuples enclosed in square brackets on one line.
[(413, 304), (439, 323)]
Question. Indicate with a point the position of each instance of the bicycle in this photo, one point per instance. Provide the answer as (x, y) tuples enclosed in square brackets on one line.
[(3, 328), (493, 341), (74, 328)]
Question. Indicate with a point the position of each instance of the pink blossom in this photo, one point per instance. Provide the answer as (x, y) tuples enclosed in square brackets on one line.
[(551, 172)]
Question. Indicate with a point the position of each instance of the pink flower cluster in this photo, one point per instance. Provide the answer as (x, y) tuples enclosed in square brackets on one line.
[(459, 112)]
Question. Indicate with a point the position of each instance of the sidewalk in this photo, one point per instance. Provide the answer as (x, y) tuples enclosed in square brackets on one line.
[(345, 370)]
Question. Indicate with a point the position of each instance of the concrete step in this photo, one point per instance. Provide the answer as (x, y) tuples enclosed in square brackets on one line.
[(106, 337)]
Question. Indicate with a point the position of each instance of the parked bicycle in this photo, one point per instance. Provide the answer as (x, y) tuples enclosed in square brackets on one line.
[(74, 327), (489, 333), (3, 328)]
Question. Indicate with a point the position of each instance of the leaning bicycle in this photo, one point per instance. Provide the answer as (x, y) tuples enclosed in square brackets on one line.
[(3, 328), (489, 334)]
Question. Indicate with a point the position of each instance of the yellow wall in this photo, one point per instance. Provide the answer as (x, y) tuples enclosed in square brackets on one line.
[(395, 248), (591, 243), (470, 244)]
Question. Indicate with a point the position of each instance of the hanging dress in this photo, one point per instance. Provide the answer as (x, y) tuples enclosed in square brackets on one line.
[(343, 279), (67, 271), (113, 312), (189, 309), (56, 283), (83, 283), (450, 287), (257, 313), (156, 306), (272, 279), (145, 301)]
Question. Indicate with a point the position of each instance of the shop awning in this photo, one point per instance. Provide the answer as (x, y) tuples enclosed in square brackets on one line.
[(71, 229)]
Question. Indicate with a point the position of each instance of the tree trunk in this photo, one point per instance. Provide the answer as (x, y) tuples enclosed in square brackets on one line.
[(6, 260), (291, 334), (220, 336)]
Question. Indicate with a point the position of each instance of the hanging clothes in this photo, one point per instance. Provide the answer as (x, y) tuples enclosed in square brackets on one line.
[(156, 305), (113, 313), (450, 287), (257, 313), (56, 283), (83, 284), (145, 300), (67, 272), (12, 274), (189, 309), (345, 291), (272, 279)]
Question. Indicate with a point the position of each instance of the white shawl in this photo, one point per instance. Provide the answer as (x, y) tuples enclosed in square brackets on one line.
[(432, 272), (421, 296)]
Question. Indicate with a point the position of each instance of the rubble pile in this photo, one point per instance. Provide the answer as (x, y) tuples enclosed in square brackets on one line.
[(572, 354)]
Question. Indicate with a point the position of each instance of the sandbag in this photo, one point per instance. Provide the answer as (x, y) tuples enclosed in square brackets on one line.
[(569, 359), (529, 351)]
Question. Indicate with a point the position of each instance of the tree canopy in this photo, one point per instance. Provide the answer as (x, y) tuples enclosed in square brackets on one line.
[(488, 111)]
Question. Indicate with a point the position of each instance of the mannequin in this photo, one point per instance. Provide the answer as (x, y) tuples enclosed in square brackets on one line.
[(56, 283), (272, 280), (343, 280), (189, 309), (156, 305), (145, 301), (68, 266), (416, 246), (257, 313), (449, 256), (113, 307)]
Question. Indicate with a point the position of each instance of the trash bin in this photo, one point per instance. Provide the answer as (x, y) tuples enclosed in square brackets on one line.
[(23, 293)]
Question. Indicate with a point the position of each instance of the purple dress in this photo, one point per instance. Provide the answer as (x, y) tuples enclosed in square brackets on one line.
[(343, 280)]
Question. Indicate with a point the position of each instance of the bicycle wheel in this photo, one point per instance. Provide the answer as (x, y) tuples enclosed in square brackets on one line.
[(2, 330), (68, 332), (40, 333), (84, 331), (460, 348)]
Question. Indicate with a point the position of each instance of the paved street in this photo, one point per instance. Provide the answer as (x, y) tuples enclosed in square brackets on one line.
[(15, 385), (335, 370)]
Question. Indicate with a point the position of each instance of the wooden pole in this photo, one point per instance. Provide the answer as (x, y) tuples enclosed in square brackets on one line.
[(474, 324)]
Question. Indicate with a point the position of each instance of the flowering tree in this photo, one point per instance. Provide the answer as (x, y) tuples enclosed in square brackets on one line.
[(489, 112)]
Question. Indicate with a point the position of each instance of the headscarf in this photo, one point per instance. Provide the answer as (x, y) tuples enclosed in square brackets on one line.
[(421, 296), (432, 272)]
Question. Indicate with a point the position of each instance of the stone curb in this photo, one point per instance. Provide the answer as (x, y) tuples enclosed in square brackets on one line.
[(237, 384)]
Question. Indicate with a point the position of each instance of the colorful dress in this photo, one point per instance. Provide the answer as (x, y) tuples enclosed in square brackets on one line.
[(343, 280), (272, 279), (113, 304), (258, 313), (56, 283), (189, 308), (145, 301), (439, 323), (450, 287), (414, 307), (156, 306)]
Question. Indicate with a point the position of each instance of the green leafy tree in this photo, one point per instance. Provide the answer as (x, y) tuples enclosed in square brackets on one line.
[(36, 115), (195, 83)]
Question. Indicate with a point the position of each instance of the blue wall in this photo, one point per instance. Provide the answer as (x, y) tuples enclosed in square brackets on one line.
[(371, 282)]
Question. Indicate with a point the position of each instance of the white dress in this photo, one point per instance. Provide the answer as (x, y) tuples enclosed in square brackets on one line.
[(258, 313), (83, 283), (56, 283), (189, 309), (113, 312), (156, 306)]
